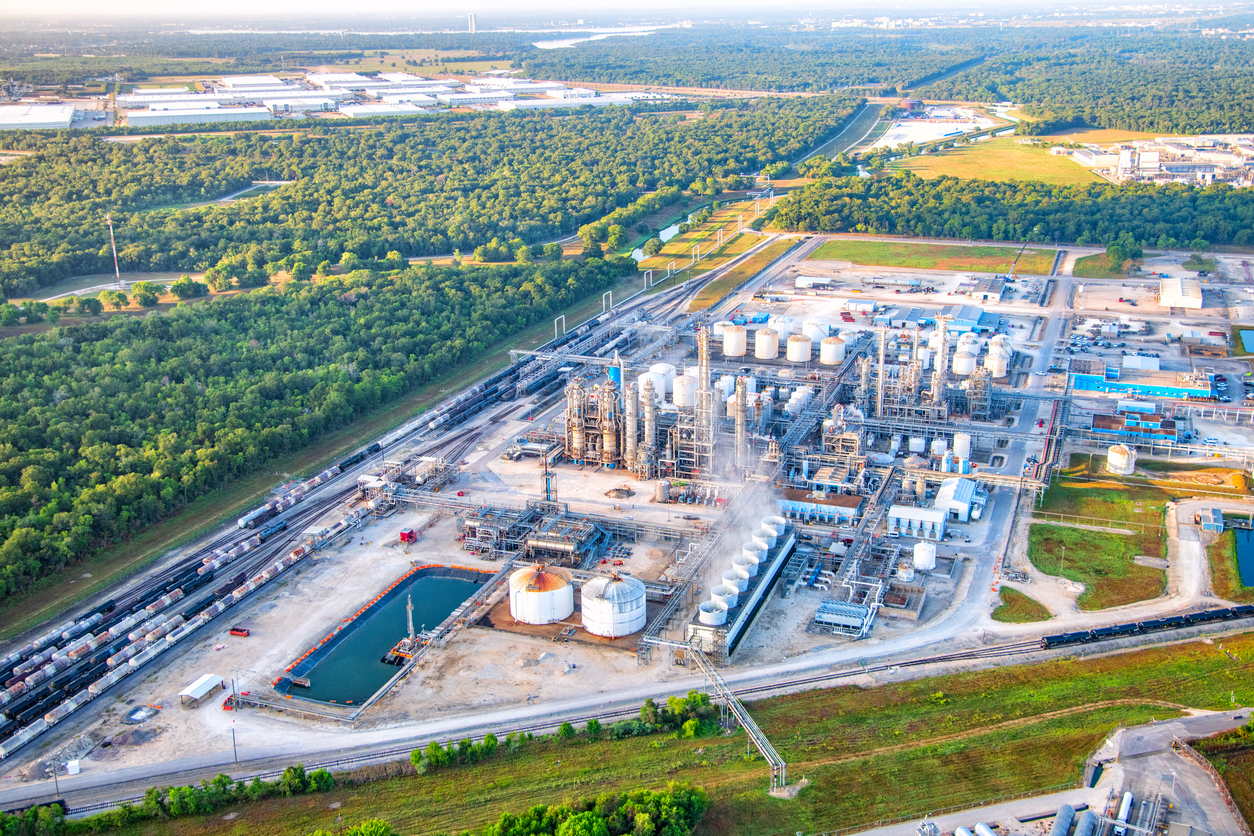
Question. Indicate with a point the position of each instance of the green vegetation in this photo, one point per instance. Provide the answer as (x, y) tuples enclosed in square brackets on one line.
[(1232, 755), (946, 207), (1167, 82), (742, 272), (1238, 346), (961, 739), (1197, 262), (1017, 608), (935, 256), (1102, 562), (380, 195), (109, 427), (1225, 577), (1096, 266), (998, 159)]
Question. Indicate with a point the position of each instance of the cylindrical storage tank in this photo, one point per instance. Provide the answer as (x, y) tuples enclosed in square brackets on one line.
[(613, 606), (939, 446), (662, 491), (815, 333), (997, 364), (907, 485), (924, 356), (766, 535), (1062, 821), (685, 391), (934, 340), (726, 384), (727, 594), (905, 572), (964, 362), (541, 594), (693, 371), (766, 344), (776, 524), (719, 328), (1121, 460), (924, 556), (962, 445), (832, 351), (667, 371), (982, 829), (917, 444), (962, 831), (799, 349), (1087, 825), (734, 341), (712, 613), (783, 325), (747, 562), (737, 577)]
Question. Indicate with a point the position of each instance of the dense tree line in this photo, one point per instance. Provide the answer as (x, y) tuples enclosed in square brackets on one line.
[(748, 59), (1165, 82), (1092, 213), (442, 184), (106, 428)]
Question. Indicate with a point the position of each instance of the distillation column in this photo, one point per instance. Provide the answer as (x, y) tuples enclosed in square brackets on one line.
[(879, 381), (607, 422), (629, 426), (575, 439), (704, 441), (941, 362), (646, 454), (742, 439)]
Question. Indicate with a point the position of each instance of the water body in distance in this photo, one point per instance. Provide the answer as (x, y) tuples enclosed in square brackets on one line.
[(352, 670), (1245, 556)]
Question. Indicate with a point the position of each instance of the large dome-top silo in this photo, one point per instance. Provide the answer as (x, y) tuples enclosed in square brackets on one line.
[(613, 606), (541, 594)]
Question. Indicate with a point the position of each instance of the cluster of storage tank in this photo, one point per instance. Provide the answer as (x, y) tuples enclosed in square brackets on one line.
[(1000, 353), (612, 605), (799, 399), (966, 354), (734, 580)]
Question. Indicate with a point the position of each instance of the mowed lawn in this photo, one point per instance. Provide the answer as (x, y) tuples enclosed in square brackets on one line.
[(1102, 562), (935, 256), (751, 266), (953, 739), (1224, 573), (998, 159), (1017, 608)]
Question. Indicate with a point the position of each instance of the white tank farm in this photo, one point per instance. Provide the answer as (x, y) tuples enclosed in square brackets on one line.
[(832, 351), (734, 341), (924, 556), (962, 445), (799, 348), (667, 371), (964, 361), (766, 344), (1121, 460), (541, 594), (613, 606), (685, 391)]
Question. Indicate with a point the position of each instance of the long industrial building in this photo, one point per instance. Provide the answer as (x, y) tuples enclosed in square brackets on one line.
[(145, 118), (29, 117)]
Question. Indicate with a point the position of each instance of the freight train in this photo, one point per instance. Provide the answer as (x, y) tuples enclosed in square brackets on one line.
[(1135, 628)]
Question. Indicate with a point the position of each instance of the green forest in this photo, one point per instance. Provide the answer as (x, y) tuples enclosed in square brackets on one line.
[(1094, 213), (107, 427), (437, 185)]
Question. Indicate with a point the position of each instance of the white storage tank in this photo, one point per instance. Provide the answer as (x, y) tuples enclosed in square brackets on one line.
[(924, 556), (964, 361), (905, 572), (734, 341), (662, 491), (613, 606), (939, 447), (918, 444), (831, 351), (541, 594), (685, 391), (962, 445), (719, 328), (766, 344), (726, 384), (783, 325), (799, 349), (924, 356), (1121, 460), (667, 371), (997, 364), (816, 329)]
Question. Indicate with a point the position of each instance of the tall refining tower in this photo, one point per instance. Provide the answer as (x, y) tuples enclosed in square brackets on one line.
[(470, 19)]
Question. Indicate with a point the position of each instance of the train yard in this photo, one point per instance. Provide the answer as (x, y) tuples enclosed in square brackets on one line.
[(761, 490)]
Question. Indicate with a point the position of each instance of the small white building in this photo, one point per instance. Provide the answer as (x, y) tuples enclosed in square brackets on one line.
[(922, 523), (251, 82), (956, 498), (571, 93), (201, 688)]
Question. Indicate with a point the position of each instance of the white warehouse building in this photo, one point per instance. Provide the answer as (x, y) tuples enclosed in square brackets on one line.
[(958, 499), (922, 523), (146, 118), (1180, 293), (35, 117)]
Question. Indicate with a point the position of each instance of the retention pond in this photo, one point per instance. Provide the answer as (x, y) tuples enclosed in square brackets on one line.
[(1245, 556), (347, 667)]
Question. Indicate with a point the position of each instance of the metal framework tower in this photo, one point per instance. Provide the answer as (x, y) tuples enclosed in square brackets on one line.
[(879, 378), (742, 438), (704, 440), (941, 367), (630, 426)]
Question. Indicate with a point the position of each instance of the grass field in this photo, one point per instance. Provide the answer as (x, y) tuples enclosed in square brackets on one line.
[(955, 739), (1233, 758), (1100, 561), (1096, 266), (1224, 575), (1101, 135), (1017, 608), (998, 159), (934, 256), (717, 289), (1083, 489)]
